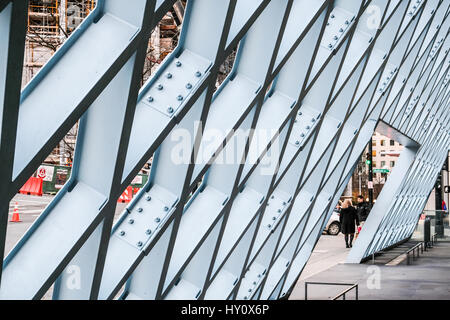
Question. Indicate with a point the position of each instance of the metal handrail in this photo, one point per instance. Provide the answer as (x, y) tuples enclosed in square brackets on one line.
[(342, 294), (419, 247), (434, 238)]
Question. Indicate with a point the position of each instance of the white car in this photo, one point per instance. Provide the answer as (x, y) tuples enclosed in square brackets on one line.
[(333, 226)]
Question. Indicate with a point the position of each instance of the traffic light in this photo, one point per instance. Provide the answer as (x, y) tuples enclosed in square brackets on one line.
[(368, 158)]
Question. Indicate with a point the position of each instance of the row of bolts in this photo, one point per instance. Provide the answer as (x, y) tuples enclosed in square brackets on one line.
[(341, 30), (198, 74), (148, 231), (313, 120)]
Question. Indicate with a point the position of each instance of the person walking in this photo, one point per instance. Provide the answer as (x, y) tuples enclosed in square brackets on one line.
[(363, 210), (348, 219)]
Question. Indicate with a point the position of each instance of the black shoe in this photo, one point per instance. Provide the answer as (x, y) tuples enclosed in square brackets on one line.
[(351, 245), (347, 246)]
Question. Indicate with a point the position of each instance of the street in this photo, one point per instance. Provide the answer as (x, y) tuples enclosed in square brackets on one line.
[(30, 207)]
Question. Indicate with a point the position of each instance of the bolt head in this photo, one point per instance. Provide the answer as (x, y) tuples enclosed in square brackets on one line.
[(148, 231), (178, 63), (160, 86), (169, 75), (198, 74), (140, 209), (180, 98), (131, 221), (166, 208), (170, 110), (188, 86), (157, 220), (122, 233), (139, 244), (150, 99), (148, 198)]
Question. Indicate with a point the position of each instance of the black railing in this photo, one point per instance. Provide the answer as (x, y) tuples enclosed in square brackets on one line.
[(342, 294), (420, 247)]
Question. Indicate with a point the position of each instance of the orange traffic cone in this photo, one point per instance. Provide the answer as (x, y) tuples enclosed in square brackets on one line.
[(16, 217)]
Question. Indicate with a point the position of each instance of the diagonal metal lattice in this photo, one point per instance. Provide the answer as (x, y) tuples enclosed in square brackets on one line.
[(311, 81)]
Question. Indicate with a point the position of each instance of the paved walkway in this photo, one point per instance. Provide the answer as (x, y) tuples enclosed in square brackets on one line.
[(426, 279)]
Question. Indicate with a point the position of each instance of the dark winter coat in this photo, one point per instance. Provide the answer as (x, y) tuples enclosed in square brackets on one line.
[(363, 210), (348, 219)]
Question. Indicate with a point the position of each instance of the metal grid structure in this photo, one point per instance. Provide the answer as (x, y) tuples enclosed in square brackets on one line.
[(318, 75)]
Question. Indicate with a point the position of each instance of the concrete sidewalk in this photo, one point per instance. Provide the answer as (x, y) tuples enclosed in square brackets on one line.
[(426, 279)]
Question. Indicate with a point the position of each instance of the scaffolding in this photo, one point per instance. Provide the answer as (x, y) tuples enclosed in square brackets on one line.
[(50, 23)]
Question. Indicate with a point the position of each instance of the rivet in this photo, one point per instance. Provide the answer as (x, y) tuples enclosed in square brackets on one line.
[(169, 75), (131, 221), (269, 226), (170, 110), (160, 86), (198, 74), (157, 220), (139, 244), (166, 208), (302, 135), (178, 63), (140, 209), (297, 143), (180, 98), (150, 99), (279, 210), (188, 86), (308, 127), (249, 290), (148, 198), (148, 231), (332, 16), (274, 218), (122, 233)]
